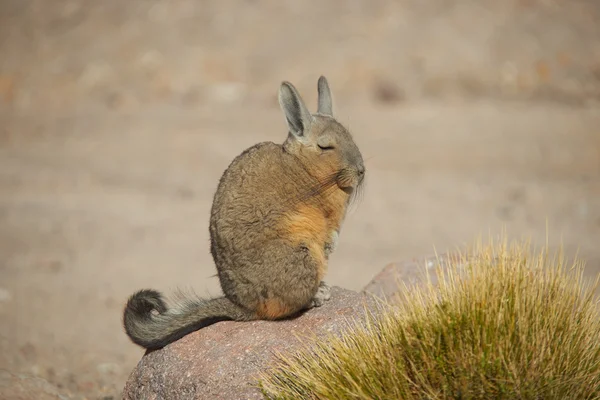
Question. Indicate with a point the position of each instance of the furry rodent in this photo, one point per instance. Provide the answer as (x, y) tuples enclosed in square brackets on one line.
[(275, 219)]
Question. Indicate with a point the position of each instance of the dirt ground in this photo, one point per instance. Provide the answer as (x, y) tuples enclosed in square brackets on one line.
[(117, 119)]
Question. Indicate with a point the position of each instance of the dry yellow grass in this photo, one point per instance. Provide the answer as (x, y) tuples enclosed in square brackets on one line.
[(504, 322)]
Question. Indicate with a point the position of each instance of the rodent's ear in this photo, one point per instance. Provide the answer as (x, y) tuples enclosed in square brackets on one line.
[(325, 103), (297, 115)]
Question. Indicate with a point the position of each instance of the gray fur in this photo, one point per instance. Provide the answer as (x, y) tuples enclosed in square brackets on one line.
[(154, 330), (325, 102), (297, 115)]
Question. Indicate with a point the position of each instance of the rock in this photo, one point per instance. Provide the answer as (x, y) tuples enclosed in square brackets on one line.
[(222, 360), (15, 386), (388, 283)]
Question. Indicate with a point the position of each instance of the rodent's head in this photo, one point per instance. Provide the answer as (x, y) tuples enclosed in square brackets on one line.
[(323, 145)]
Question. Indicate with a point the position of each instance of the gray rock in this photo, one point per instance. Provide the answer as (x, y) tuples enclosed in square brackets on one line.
[(222, 361), (387, 284)]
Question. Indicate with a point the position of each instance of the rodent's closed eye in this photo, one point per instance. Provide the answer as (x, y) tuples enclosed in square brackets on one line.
[(324, 148)]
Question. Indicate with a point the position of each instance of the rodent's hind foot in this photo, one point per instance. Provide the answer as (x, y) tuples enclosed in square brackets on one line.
[(323, 294)]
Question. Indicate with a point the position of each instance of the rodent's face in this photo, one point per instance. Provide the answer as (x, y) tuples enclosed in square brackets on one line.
[(329, 150), (323, 145)]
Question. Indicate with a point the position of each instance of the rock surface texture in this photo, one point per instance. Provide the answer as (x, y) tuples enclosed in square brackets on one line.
[(387, 284), (221, 361)]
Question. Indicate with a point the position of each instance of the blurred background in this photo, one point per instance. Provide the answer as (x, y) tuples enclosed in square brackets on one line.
[(117, 119)]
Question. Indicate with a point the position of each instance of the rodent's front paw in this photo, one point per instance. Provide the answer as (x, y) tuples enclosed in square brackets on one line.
[(323, 294), (324, 290), (316, 302)]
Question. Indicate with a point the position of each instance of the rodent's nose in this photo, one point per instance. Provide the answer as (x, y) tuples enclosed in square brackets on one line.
[(360, 169)]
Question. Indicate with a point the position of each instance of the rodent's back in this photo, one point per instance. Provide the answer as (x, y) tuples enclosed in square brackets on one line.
[(254, 193)]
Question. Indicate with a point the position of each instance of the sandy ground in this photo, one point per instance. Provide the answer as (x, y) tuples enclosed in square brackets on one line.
[(117, 119)]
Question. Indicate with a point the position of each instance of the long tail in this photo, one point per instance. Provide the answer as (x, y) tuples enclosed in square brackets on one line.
[(150, 324)]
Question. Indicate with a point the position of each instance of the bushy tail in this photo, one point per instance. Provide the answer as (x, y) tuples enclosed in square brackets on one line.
[(150, 324)]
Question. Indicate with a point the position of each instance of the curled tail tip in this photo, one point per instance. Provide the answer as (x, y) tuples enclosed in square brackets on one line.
[(138, 313), (143, 302), (151, 331)]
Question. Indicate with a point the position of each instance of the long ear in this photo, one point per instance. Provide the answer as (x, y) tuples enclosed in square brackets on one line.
[(325, 103), (297, 115)]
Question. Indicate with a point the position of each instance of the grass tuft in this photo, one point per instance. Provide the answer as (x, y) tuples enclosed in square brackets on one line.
[(504, 322)]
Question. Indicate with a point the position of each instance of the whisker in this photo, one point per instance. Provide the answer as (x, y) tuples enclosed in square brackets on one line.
[(319, 188), (322, 186), (357, 195), (327, 185)]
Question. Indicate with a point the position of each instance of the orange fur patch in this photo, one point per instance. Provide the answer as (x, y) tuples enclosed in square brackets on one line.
[(312, 226), (272, 308), (307, 226)]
